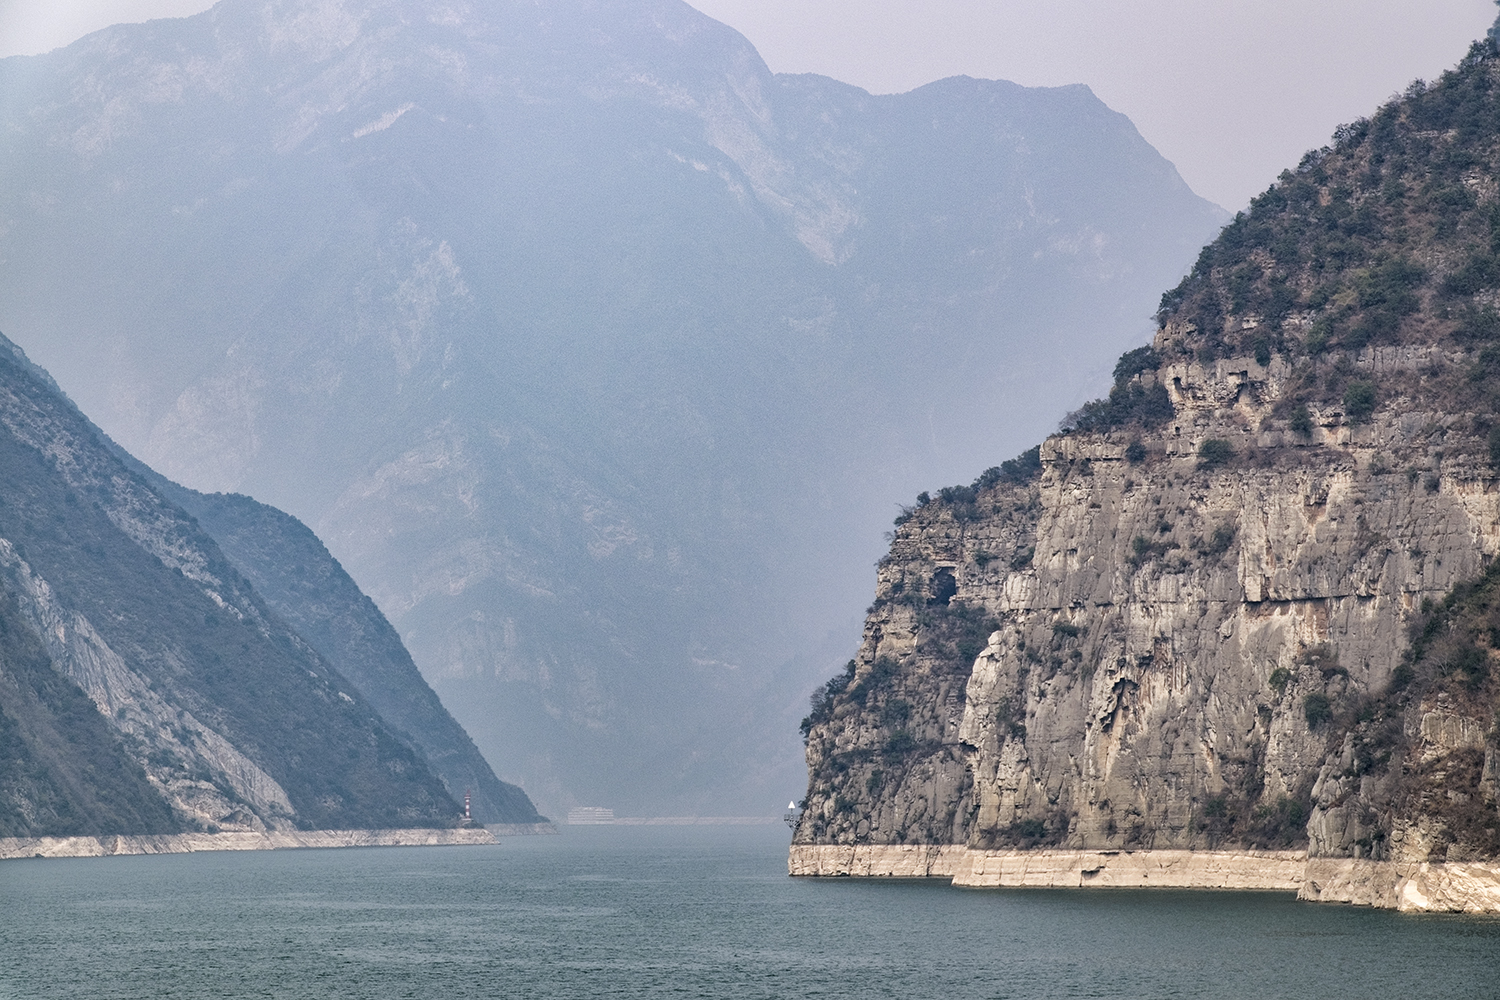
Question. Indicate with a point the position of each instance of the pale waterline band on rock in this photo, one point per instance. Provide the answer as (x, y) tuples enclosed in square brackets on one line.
[(1416, 887), (187, 843)]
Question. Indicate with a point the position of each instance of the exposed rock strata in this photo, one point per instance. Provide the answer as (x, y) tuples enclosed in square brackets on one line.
[(208, 780), (877, 860), (1154, 696), (1249, 601), (302, 583), (1415, 886), (1052, 868), (1111, 680)]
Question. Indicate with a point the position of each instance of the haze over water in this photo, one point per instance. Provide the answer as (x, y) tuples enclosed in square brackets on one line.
[(655, 912)]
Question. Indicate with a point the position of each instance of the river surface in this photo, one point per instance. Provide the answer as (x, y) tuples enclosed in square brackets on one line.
[(679, 912)]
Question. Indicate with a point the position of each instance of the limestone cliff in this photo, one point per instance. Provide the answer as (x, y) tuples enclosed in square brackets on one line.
[(1231, 607)]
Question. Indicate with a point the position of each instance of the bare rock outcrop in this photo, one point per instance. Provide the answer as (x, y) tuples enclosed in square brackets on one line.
[(1166, 641), (1246, 607)]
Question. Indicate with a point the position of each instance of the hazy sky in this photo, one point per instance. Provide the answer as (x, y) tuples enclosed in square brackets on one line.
[(1231, 91)]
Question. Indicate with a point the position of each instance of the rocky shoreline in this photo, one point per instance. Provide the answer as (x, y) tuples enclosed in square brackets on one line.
[(1423, 887), (187, 843)]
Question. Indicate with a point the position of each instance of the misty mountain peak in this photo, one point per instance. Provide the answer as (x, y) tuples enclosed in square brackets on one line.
[(595, 350)]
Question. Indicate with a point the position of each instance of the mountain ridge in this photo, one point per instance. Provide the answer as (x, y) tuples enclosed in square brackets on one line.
[(150, 689), (305, 586)]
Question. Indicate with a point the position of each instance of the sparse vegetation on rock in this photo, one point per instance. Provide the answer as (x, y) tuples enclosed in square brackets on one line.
[(1329, 685)]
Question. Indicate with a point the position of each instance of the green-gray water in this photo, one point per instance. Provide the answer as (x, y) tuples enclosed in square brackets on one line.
[(679, 912)]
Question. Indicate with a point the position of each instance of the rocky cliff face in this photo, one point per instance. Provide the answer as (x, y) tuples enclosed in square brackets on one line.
[(179, 701), (1244, 602), (1158, 629)]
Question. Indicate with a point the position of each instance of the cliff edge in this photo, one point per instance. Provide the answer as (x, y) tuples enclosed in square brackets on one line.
[(1245, 607)]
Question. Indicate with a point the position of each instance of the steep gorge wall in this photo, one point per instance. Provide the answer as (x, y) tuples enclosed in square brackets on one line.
[(225, 718), (1160, 633), (1246, 603)]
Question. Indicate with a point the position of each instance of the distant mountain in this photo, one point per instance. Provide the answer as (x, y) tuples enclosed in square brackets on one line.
[(597, 353), (144, 686)]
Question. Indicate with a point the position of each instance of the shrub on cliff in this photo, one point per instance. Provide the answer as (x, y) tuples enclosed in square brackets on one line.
[(1452, 643), (1131, 404), (1029, 833), (1386, 294), (1016, 471), (1359, 401), (1133, 362), (1130, 400), (895, 713), (1378, 238), (1219, 541), (963, 501), (1476, 324), (1301, 421), (1479, 272), (1317, 708), (1214, 452), (822, 699), (882, 670), (1143, 550), (898, 745), (1023, 468), (1280, 824)]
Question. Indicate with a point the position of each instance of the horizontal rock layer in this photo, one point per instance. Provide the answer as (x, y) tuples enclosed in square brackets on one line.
[(1458, 887), (1424, 887), (188, 843), (877, 860)]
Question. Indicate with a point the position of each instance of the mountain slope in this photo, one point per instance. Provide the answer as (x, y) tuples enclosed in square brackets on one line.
[(63, 772), (593, 349), (305, 586), (236, 721), (1243, 602)]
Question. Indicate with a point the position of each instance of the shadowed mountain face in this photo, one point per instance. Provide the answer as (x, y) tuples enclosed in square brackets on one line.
[(309, 590), (62, 771), (598, 354), (145, 687)]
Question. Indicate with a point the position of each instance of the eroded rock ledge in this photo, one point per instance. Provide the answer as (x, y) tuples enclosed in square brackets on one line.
[(1424, 887), (185, 843)]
